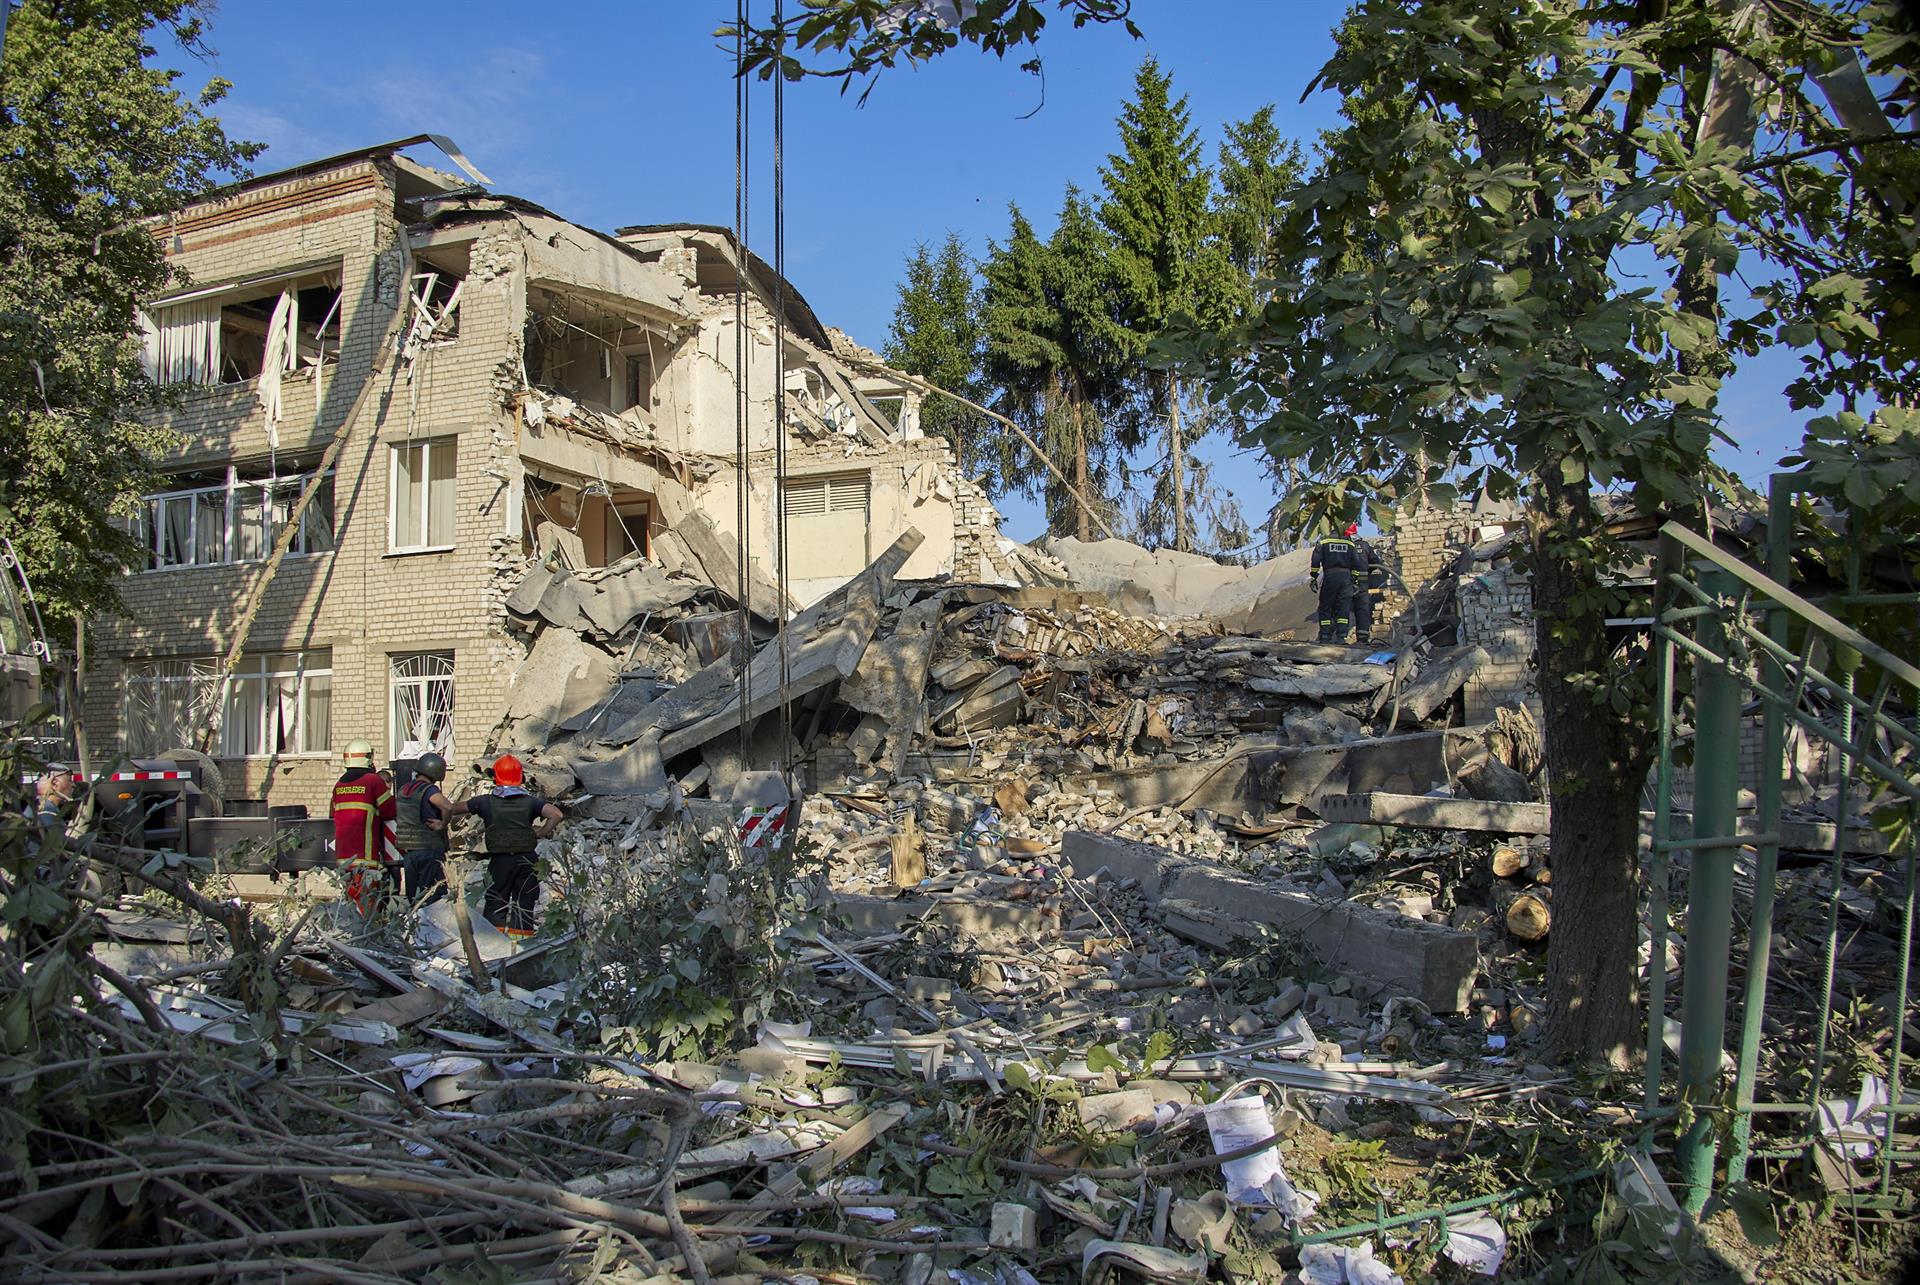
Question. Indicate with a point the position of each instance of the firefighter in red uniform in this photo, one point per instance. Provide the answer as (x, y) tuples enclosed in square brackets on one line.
[(363, 811)]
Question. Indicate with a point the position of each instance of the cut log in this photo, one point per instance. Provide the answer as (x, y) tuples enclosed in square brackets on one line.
[(1509, 860), (1530, 915)]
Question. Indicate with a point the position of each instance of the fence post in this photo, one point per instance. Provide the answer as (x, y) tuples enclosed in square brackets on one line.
[(1716, 768), (1767, 860)]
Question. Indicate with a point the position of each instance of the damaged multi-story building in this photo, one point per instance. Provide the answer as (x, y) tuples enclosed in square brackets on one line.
[(503, 387)]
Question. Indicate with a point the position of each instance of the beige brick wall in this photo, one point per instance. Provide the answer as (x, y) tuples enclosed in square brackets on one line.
[(1496, 612), (361, 600)]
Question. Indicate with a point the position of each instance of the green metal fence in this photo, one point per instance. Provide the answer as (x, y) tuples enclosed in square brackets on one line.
[(1749, 636)]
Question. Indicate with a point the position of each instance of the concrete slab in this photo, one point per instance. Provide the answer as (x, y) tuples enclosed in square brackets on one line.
[(1443, 676), (1213, 904)]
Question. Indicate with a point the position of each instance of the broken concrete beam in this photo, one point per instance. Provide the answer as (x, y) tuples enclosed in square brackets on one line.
[(1085, 852), (1436, 814), (640, 590), (824, 645), (718, 555), (891, 681), (1321, 682), (1216, 905), (1444, 675)]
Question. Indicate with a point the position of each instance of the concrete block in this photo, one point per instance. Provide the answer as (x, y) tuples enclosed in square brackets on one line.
[(1085, 852), (1217, 906), (1014, 1227)]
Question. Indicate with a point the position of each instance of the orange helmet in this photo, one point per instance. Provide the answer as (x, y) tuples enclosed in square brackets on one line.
[(506, 770)]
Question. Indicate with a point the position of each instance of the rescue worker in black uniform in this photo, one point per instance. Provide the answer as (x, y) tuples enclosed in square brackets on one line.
[(420, 828), (1335, 560), (1368, 594), (515, 821)]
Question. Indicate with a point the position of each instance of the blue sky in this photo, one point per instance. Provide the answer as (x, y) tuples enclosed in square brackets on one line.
[(621, 113)]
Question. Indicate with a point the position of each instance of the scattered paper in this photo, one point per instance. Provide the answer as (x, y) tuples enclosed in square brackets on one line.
[(417, 1068), (1857, 1126), (1477, 1243), (1344, 1265), (1257, 1179)]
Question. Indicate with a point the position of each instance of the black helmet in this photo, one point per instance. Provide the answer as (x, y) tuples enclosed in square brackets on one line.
[(431, 766)]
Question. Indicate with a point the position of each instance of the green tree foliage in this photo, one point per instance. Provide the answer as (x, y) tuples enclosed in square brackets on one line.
[(1169, 260), (1258, 167), (850, 40), (1059, 356), (936, 334), (95, 141), (1507, 278)]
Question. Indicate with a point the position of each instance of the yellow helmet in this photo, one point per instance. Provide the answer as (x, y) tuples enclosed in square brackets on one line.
[(359, 753)]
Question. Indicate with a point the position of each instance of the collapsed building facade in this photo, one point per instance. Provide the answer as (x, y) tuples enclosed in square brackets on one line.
[(509, 388)]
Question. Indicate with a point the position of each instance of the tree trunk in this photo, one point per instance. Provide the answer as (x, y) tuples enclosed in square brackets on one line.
[(1085, 524), (1597, 764), (1176, 450)]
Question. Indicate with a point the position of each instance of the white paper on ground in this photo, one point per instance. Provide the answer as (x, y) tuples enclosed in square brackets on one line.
[(1344, 1265), (1859, 1124), (417, 1068), (1257, 1179), (1477, 1243)]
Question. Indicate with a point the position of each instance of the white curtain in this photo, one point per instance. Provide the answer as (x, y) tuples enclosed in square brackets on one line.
[(182, 343), (281, 356)]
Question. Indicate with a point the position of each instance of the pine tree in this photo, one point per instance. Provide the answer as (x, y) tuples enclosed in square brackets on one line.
[(1057, 355), (936, 335), (1167, 254), (1257, 167)]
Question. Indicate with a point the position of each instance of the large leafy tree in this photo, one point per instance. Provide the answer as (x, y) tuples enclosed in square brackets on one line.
[(1509, 277), (1168, 258), (1057, 354), (95, 140), (936, 334)]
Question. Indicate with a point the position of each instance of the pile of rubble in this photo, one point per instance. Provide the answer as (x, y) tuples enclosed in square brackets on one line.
[(1098, 942)]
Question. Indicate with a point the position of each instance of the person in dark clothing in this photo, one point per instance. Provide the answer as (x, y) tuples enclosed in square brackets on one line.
[(514, 821), (1368, 594), (421, 827), (1335, 559)]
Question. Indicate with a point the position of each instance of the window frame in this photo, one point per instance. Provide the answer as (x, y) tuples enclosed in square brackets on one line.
[(396, 681), (426, 446), (203, 686), (152, 521)]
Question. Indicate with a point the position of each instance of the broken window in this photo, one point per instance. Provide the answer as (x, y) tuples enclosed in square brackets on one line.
[(826, 525), (890, 408), (229, 334), (276, 704), (421, 718), (423, 490), (592, 524), (435, 307), (231, 516)]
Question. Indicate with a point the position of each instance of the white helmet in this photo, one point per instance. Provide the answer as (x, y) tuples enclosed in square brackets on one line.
[(359, 753)]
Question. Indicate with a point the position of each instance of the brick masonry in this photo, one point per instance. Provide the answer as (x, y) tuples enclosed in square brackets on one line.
[(363, 601)]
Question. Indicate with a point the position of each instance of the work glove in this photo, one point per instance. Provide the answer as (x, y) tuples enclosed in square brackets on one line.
[(1313, 581)]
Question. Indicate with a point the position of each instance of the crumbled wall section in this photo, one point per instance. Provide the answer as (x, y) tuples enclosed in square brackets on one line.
[(1496, 612), (1423, 541)]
